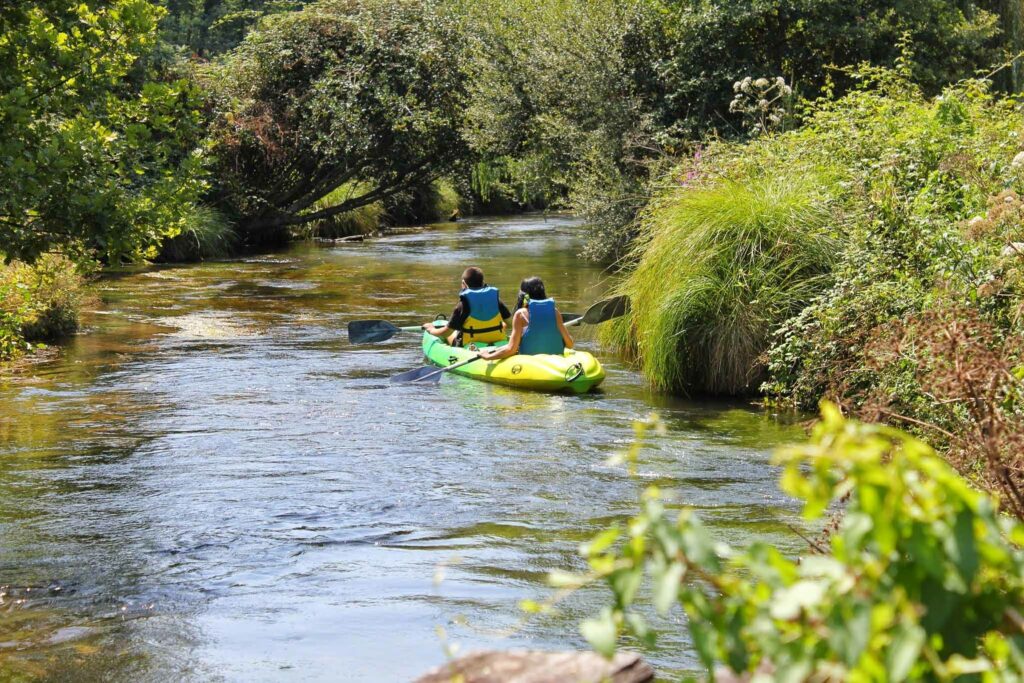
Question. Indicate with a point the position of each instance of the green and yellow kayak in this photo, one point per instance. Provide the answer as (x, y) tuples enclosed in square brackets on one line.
[(574, 371)]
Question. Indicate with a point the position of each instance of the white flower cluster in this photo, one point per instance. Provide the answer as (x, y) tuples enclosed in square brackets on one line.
[(761, 101)]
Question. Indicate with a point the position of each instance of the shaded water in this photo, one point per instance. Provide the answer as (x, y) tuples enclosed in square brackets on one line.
[(212, 483)]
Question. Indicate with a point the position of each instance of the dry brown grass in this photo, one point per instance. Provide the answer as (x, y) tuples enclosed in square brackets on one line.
[(970, 372)]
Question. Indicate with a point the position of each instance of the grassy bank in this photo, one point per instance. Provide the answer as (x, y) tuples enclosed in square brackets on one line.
[(38, 303), (873, 257)]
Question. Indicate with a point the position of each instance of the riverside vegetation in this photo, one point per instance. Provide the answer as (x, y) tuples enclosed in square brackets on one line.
[(182, 130), (804, 200), (922, 578)]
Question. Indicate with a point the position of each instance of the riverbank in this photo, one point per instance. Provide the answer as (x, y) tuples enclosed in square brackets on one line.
[(39, 304), (210, 233), (870, 257)]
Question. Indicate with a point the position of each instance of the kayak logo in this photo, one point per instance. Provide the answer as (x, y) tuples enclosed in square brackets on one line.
[(573, 372), (452, 360), (516, 369)]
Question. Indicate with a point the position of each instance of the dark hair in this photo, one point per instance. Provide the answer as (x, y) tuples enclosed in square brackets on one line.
[(532, 287), (474, 277)]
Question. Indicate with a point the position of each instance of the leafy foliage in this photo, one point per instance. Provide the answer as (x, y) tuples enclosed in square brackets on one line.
[(208, 27), (207, 234), (38, 303), (95, 158), (586, 97), (436, 201), (922, 579), (721, 41), (360, 92), (909, 184), (922, 233)]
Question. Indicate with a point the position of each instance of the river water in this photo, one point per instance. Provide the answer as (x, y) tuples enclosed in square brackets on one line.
[(211, 483)]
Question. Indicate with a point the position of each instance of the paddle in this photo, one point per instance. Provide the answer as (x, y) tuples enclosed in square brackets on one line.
[(429, 373), (370, 331), (602, 311)]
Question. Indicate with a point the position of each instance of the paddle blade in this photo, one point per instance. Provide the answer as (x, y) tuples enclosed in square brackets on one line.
[(425, 375), (370, 331), (606, 310)]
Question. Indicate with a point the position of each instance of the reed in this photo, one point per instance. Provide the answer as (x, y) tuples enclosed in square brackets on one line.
[(207, 234), (718, 269)]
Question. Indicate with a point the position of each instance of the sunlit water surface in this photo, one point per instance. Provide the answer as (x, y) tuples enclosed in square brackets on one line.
[(210, 482)]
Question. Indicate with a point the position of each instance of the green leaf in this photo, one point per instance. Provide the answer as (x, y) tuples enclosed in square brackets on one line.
[(962, 547), (907, 641), (625, 583), (601, 542), (666, 587), (790, 602), (639, 628), (601, 633), (561, 579)]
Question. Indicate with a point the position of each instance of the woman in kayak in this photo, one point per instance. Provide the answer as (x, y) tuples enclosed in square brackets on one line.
[(537, 325)]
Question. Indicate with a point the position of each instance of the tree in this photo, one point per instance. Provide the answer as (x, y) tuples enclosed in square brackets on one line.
[(95, 158), (213, 26), (359, 92)]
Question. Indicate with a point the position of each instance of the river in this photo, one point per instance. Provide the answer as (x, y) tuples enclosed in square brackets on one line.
[(211, 483)]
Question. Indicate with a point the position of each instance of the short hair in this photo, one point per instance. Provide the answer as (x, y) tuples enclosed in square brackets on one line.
[(474, 277)]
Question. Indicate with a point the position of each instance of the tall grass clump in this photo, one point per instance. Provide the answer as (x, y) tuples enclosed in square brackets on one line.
[(361, 221), (38, 303), (719, 268), (207, 234)]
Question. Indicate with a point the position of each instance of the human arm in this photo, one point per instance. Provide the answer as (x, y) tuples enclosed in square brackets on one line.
[(503, 310), (512, 347), (566, 337), (437, 331), (453, 324)]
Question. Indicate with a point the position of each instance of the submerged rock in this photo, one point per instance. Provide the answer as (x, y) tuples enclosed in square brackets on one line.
[(529, 666)]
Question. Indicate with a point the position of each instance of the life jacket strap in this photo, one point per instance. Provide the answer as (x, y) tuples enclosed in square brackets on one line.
[(481, 330)]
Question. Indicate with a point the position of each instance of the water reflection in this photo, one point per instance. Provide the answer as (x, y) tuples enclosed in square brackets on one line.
[(221, 486)]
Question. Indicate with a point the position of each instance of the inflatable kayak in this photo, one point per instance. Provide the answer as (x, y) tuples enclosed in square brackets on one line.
[(574, 371)]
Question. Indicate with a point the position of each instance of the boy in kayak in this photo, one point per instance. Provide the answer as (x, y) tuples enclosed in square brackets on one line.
[(478, 317), (537, 325)]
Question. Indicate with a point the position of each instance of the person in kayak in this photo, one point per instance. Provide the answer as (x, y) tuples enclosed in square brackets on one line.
[(478, 317), (537, 325)]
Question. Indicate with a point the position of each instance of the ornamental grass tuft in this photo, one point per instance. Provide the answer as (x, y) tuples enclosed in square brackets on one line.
[(719, 268)]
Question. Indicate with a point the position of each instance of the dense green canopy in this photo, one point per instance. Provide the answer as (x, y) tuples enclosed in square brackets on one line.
[(96, 156), (341, 92), (111, 107)]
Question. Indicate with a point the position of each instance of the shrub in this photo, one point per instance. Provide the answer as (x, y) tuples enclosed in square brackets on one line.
[(935, 187), (103, 153), (38, 303), (719, 266), (368, 93), (922, 579)]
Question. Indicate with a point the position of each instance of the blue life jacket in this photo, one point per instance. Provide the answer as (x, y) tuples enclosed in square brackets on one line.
[(483, 324), (541, 334)]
